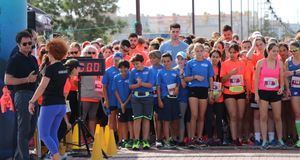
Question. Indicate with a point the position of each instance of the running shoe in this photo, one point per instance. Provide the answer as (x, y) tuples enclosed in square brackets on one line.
[(158, 144), (282, 145), (129, 143), (146, 144), (265, 146), (297, 144), (136, 145)]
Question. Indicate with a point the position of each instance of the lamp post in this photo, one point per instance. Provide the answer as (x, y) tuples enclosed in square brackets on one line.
[(231, 23), (138, 25), (219, 4), (242, 36), (193, 16)]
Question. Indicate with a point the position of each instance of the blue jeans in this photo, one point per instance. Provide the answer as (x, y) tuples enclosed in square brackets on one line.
[(26, 123), (49, 122)]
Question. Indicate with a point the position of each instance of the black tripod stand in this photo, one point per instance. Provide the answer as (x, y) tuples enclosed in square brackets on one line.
[(82, 128)]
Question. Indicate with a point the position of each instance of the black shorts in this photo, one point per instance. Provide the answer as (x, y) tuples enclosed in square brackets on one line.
[(235, 96), (170, 111), (113, 108), (125, 117), (198, 92), (270, 96)]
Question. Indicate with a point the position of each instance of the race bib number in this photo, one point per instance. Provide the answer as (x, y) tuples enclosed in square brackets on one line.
[(154, 91), (217, 88), (171, 89), (236, 80), (98, 86), (271, 82), (295, 82)]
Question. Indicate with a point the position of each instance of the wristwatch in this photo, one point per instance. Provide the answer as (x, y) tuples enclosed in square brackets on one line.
[(295, 72)]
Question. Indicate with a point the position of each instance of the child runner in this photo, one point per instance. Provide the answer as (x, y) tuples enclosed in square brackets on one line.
[(141, 81)]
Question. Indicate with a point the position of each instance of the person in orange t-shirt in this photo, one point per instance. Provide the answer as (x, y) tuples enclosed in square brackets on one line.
[(125, 51), (233, 79), (137, 46), (216, 105)]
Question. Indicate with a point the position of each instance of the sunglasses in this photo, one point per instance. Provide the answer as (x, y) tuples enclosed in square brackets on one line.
[(91, 52), (116, 48), (294, 50), (44, 52), (26, 43), (74, 52)]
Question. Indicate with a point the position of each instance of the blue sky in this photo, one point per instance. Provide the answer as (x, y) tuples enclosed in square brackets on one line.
[(287, 10)]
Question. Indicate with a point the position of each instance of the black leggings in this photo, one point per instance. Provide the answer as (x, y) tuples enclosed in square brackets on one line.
[(73, 99), (212, 110)]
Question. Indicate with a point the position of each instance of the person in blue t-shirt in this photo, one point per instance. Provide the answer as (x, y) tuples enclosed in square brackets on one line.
[(110, 100), (155, 57), (168, 82), (141, 81), (199, 75), (174, 45), (181, 60), (122, 92)]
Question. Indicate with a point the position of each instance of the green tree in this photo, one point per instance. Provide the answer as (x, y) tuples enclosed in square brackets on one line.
[(82, 19)]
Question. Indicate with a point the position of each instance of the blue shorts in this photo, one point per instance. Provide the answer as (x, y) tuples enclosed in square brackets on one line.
[(170, 111), (295, 92)]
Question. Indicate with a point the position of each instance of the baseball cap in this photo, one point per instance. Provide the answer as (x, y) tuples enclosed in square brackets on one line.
[(182, 54), (118, 55), (256, 34), (72, 63)]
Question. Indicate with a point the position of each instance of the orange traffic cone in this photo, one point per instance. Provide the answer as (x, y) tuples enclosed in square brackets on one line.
[(69, 140), (75, 138), (110, 142), (98, 144)]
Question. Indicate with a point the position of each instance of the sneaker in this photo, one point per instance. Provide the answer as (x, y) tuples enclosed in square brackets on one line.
[(158, 144), (136, 145), (173, 142), (273, 143), (297, 144), (237, 142), (265, 146), (226, 142), (187, 141), (146, 144), (201, 142), (169, 145), (257, 143), (122, 143), (129, 143), (282, 145)]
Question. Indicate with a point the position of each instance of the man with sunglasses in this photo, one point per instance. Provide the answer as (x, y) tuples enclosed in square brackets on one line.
[(21, 73), (125, 50)]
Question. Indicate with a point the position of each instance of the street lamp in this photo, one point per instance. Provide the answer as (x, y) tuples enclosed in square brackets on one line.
[(219, 2), (138, 24), (242, 37), (193, 16)]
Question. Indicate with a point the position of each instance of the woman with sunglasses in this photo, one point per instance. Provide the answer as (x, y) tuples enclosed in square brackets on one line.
[(292, 66), (90, 91), (74, 50), (269, 86)]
